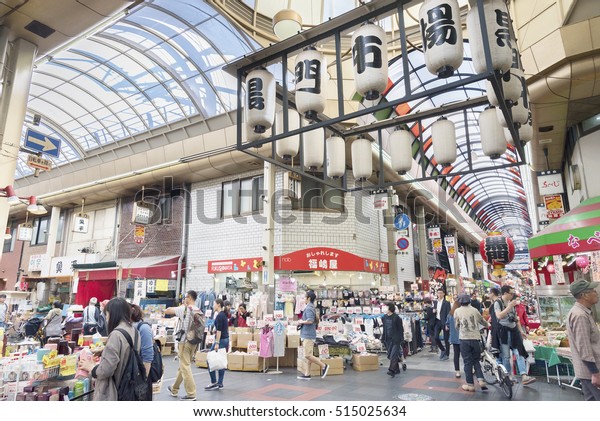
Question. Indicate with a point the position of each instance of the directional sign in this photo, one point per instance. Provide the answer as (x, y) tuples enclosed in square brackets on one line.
[(40, 163), (42, 143), (401, 221)]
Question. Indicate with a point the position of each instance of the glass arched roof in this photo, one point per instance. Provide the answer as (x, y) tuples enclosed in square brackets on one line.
[(494, 199), (159, 64)]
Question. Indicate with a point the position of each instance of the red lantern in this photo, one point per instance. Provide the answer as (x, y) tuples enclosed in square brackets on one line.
[(497, 250), (582, 262)]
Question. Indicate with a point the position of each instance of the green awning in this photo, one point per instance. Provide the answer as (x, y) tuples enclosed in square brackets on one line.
[(576, 231)]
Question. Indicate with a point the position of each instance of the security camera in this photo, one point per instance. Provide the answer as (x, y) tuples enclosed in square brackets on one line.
[(264, 248)]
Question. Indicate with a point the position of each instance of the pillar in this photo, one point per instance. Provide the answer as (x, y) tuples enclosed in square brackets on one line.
[(53, 232), (267, 283), (13, 104), (422, 231), (391, 241)]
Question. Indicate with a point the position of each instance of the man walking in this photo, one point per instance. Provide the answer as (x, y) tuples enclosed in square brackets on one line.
[(308, 334), (442, 309), (584, 338), (393, 335), (186, 350), (91, 314)]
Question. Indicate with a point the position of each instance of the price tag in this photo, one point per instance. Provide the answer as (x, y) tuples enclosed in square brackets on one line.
[(356, 328), (208, 314), (278, 314), (210, 339), (367, 310), (357, 310), (324, 351), (268, 318), (251, 322), (252, 347), (361, 347), (359, 321), (376, 310), (333, 310)]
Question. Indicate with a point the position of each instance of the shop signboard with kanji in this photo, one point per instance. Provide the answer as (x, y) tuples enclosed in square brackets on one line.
[(554, 206), (325, 258), (450, 247), (550, 182), (82, 223), (249, 264), (139, 234)]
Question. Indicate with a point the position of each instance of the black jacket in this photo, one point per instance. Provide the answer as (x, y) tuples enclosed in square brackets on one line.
[(397, 334), (444, 311), (429, 316)]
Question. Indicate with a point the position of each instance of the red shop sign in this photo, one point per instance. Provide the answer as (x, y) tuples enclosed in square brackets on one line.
[(325, 258), (252, 264)]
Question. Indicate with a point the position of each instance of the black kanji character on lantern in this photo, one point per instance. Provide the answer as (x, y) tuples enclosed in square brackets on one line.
[(439, 28), (59, 266), (255, 95), (502, 33), (363, 46), (496, 250), (309, 70)]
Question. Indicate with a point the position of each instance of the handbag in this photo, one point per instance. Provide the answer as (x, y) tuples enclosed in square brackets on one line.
[(217, 360)]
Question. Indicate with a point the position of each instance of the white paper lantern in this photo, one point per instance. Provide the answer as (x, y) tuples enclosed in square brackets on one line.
[(443, 135), (442, 36), (498, 29), (260, 100), (526, 132), (336, 157), (507, 135), (248, 131), (370, 58), (401, 150), (493, 140), (520, 114), (362, 161), (287, 148), (512, 82), (311, 79), (313, 148)]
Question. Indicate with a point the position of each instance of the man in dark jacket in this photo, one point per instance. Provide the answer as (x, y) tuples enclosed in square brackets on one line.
[(441, 308), (393, 334), (430, 320)]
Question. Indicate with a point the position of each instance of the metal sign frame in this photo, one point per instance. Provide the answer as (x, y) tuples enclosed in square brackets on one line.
[(279, 53)]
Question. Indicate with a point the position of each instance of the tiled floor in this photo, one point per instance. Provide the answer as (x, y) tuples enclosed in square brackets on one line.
[(426, 376)]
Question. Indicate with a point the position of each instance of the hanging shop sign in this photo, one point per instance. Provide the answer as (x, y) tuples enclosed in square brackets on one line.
[(139, 291), (150, 286), (250, 264), (25, 232), (542, 213), (434, 232), (554, 206), (550, 182), (285, 284), (162, 285), (380, 201), (139, 234), (450, 246), (437, 245), (325, 258), (558, 269), (82, 223), (36, 262)]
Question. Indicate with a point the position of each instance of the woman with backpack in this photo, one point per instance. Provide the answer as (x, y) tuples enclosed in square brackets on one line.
[(147, 342), (109, 372)]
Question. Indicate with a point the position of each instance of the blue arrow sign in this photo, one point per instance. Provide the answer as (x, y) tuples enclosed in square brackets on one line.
[(401, 221), (41, 143)]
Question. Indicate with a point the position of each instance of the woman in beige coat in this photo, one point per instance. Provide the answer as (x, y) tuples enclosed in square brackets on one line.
[(108, 372)]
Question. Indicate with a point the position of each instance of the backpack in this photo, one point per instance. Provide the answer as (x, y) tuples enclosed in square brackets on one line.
[(133, 385), (195, 332), (156, 366)]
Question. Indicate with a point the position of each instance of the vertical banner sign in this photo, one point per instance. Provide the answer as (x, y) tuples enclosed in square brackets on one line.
[(435, 236), (139, 291), (450, 247), (558, 267), (139, 234), (595, 266), (554, 206)]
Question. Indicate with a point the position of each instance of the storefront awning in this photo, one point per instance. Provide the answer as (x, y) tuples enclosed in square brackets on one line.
[(576, 231), (325, 258), (141, 267)]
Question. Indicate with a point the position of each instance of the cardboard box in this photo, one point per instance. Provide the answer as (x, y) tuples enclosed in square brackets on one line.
[(336, 366), (293, 341), (256, 338), (243, 338), (253, 363), (235, 361), (201, 359), (315, 370), (368, 362), (242, 330), (288, 360), (232, 339), (167, 350)]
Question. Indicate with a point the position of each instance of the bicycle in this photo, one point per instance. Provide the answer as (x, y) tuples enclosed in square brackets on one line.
[(494, 373)]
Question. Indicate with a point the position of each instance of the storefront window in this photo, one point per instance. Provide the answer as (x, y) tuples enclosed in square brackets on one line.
[(317, 195), (241, 197), (9, 245), (40, 231)]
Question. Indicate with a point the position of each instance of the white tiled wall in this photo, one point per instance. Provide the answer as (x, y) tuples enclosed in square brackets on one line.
[(230, 239)]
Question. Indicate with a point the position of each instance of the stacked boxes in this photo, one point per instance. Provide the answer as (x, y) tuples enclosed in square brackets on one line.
[(365, 362), (235, 361), (336, 366)]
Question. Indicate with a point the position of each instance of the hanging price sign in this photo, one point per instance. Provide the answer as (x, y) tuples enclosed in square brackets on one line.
[(252, 347), (324, 351)]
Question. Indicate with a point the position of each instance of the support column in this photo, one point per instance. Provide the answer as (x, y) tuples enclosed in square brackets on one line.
[(391, 241), (13, 104), (422, 231), (53, 232), (459, 283), (267, 283)]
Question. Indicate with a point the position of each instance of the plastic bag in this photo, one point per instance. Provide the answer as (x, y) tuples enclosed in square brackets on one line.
[(217, 360), (528, 345)]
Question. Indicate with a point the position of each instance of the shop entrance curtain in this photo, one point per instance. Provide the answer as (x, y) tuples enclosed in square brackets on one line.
[(102, 290)]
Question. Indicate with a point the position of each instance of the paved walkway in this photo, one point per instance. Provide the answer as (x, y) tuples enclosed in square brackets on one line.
[(426, 378)]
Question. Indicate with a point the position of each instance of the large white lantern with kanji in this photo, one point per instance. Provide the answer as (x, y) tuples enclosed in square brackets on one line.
[(493, 140), (336, 157), (287, 148), (443, 135), (313, 148), (401, 150), (311, 79), (442, 36), (512, 82), (498, 31), (362, 159), (260, 100), (370, 60)]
